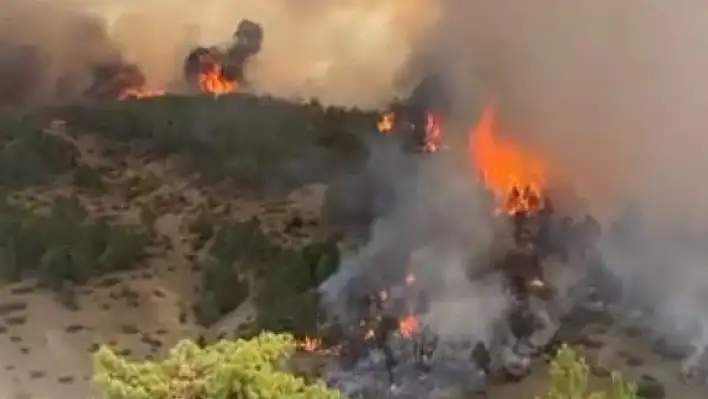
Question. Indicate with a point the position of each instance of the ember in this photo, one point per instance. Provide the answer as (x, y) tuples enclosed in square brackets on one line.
[(386, 122), (430, 131), (310, 344), (408, 326)]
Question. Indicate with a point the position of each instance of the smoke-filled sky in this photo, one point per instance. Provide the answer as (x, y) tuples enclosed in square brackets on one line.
[(342, 51)]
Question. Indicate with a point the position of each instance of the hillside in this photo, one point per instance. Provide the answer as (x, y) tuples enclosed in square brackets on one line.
[(112, 210), (138, 223)]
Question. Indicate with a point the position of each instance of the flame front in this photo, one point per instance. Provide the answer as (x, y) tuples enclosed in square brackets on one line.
[(135, 93), (516, 176)]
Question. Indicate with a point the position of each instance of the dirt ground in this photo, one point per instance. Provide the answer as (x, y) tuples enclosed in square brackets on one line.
[(45, 347)]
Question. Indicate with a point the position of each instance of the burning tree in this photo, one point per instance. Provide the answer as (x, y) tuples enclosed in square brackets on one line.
[(217, 70), (420, 117)]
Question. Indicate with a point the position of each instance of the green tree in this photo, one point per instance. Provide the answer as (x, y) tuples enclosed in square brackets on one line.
[(569, 380), (243, 369)]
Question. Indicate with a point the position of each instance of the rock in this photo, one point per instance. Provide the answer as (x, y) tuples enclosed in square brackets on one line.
[(650, 388)]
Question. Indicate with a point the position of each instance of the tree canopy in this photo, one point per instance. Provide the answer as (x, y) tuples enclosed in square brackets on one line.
[(241, 369)]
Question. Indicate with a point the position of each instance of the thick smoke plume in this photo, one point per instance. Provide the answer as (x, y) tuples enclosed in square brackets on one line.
[(614, 96), (343, 52)]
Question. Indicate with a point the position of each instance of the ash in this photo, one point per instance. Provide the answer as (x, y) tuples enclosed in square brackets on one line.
[(549, 273), (444, 374)]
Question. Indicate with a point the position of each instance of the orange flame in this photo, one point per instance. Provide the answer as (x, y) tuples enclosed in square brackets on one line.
[(386, 122), (138, 93), (310, 344), (516, 176), (212, 81), (408, 326)]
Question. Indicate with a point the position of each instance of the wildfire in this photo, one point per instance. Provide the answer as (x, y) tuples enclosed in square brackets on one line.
[(433, 141), (310, 344), (386, 122), (516, 176), (212, 81), (134, 93), (408, 326), (433, 135)]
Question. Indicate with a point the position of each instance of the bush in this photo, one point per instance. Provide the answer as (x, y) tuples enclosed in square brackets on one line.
[(223, 290), (243, 242), (225, 370), (64, 246), (283, 277), (29, 155), (569, 380)]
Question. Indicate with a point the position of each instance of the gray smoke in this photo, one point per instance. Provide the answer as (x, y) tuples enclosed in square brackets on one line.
[(613, 95)]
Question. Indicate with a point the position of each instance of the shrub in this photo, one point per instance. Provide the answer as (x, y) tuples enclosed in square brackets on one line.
[(29, 155), (65, 245), (569, 380), (222, 291), (228, 369)]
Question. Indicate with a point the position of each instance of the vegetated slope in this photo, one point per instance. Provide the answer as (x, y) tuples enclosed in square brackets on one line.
[(131, 223)]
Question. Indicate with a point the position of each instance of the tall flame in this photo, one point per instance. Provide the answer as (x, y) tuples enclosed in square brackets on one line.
[(516, 176), (213, 82)]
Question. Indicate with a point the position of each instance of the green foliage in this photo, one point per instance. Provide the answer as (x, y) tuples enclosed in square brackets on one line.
[(225, 370), (64, 245), (243, 242), (223, 290), (29, 155), (570, 375), (253, 141), (285, 298), (283, 277)]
